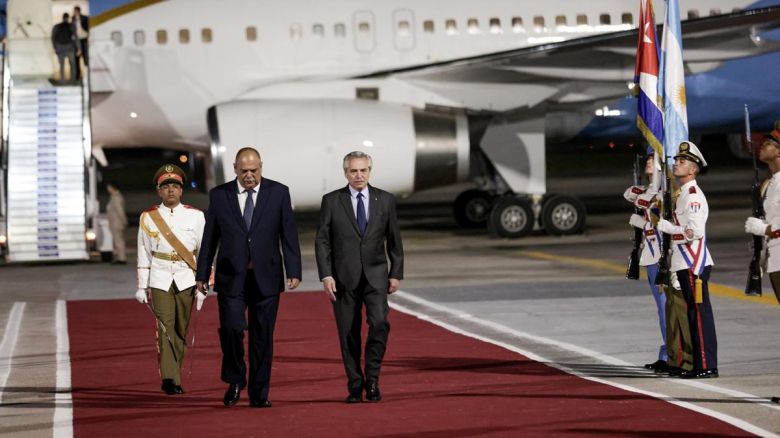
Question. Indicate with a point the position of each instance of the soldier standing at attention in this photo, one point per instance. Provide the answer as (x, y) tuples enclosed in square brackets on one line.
[(169, 236), (691, 259)]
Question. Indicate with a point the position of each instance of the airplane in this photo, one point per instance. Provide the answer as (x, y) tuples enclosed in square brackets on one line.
[(436, 92)]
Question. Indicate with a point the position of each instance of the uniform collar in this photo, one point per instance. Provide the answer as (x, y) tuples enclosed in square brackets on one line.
[(171, 210), (684, 187)]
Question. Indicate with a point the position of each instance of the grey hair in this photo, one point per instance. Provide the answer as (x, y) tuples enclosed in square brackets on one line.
[(356, 154)]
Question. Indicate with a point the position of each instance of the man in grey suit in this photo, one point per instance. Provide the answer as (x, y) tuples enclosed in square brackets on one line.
[(357, 234)]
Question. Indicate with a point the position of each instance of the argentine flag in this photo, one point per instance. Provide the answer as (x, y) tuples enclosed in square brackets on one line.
[(672, 83)]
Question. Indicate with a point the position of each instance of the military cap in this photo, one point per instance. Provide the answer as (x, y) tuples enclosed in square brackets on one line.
[(169, 173), (690, 152), (775, 134)]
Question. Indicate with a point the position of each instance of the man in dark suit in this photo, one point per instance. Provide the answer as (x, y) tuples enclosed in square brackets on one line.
[(357, 233), (81, 31), (249, 218)]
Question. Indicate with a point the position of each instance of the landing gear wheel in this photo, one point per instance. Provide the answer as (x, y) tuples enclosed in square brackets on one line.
[(472, 209), (512, 217), (563, 215)]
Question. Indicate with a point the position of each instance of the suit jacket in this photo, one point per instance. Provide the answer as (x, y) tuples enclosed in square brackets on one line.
[(273, 226), (84, 24), (343, 254)]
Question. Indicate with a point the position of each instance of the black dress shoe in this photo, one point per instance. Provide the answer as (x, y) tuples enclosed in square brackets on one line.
[(355, 397), (700, 374), (675, 371), (372, 391), (178, 389), (659, 366), (232, 394), (260, 403), (169, 387), (775, 399)]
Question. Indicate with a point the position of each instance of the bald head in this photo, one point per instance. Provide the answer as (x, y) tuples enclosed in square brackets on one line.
[(248, 167)]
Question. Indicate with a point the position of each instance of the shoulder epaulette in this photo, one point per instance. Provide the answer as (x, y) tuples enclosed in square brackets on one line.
[(190, 207), (154, 207), (692, 189)]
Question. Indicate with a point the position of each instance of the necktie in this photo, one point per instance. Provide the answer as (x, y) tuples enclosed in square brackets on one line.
[(249, 207), (361, 214)]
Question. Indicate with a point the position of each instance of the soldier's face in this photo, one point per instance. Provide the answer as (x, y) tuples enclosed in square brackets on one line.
[(649, 166), (170, 194), (357, 173), (684, 168), (249, 169), (769, 151)]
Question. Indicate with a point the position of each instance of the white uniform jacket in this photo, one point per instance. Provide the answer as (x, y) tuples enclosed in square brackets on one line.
[(155, 267), (651, 250), (689, 239), (772, 215)]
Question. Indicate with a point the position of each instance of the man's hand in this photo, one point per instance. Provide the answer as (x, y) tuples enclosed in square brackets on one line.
[(392, 285), (329, 284), (201, 287), (292, 283), (200, 297), (141, 296), (667, 227), (755, 226)]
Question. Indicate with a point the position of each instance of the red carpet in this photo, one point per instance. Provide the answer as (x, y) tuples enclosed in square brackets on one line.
[(434, 383)]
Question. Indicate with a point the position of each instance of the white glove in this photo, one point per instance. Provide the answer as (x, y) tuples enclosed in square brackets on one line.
[(645, 200), (140, 295), (756, 226), (632, 192), (637, 221), (667, 227), (201, 297)]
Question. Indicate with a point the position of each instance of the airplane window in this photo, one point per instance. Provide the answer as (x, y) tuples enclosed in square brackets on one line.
[(473, 25), (428, 26), (693, 13), (560, 20), (296, 32), (450, 27), (205, 35), (715, 11), (539, 23), (184, 36), (517, 25), (340, 30), (139, 38), (627, 18), (605, 19), (251, 33), (495, 25), (582, 20), (162, 37), (318, 30), (116, 37), (403, 28), (364, 27)]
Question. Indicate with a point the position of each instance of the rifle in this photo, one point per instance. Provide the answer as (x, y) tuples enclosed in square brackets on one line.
[(753, 286), (632, 273), (664, 276)]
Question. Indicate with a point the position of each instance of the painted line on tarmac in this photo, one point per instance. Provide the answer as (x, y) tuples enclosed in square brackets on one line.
[(8, 344), (715, 288), (742, 424), (63, 400)]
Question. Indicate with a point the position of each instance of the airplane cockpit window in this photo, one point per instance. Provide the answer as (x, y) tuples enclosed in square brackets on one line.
[(364, 27), (539, 23), (139, 38), (715, 11), (582, 20), (605, 19), (517, 25), (296, 32), (205, 35), (428, 26), (162, 37), (403, 28), (560, 20), (473, 25), (116, 37), (340, 30), (495, 25), (450, 27), (251, 33), (184, 36), (693, 14), (318, 30), (627, 18)]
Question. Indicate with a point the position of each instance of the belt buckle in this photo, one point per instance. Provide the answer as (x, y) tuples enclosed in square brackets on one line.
[(175, 257)]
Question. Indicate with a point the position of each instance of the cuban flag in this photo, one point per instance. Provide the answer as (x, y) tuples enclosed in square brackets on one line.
[(672, 81)]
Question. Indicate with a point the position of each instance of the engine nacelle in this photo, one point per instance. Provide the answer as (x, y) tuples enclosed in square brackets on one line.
[(302, 144)]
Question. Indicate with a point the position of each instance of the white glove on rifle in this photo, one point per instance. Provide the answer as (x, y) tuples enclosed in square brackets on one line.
[(140, 295), (637, 221), (756, 226), (201, 297), (667, 227)]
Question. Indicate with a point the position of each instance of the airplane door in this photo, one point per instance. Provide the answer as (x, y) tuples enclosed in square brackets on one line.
[(363, 29), (403, 28)]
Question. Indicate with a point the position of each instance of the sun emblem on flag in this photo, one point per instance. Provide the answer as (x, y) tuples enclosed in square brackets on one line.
[(679, 95)]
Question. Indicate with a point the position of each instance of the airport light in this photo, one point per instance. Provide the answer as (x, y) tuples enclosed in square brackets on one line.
[(90, 235), (368, 143), (3, 239), (133, 115), (183, 158)]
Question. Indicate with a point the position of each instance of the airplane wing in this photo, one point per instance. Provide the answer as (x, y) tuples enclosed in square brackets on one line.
[(585, 69)]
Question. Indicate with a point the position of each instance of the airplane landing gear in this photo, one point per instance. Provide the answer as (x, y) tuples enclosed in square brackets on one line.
[(511, 217), (563, 215), (472, 208)]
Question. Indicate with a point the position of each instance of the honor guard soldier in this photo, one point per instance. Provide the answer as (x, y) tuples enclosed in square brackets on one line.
[(651, 251), (169, 236), (691, 259)]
